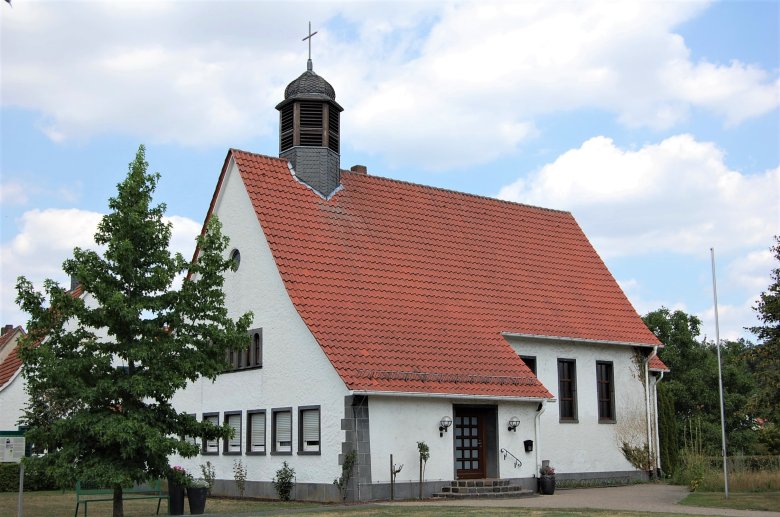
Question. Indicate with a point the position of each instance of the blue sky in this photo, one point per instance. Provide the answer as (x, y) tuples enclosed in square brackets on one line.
[(655, 123)]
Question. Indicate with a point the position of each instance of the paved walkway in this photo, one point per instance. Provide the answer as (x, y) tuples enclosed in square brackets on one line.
[(639, 498)]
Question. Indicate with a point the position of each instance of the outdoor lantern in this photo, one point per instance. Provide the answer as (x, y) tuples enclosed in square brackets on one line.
[(513, 423), (444, 424)]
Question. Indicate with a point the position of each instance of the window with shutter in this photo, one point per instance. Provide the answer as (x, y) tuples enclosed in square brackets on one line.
[(233, 445), (256, 434), (282, 441), (211, 446), (309, 430)]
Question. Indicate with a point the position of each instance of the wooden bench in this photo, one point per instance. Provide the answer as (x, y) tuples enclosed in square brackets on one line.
[(86, 495)]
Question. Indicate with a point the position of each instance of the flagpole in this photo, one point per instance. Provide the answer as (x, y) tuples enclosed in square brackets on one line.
[(720, 380)]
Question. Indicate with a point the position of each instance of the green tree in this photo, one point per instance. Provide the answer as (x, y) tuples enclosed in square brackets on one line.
[(101, 373), (667, 430), (693, 380), (766, 357)]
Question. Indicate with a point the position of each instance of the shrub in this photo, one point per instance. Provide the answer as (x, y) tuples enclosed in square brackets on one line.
[(284, 481), (239, 475), (209, 474), (346, 474)]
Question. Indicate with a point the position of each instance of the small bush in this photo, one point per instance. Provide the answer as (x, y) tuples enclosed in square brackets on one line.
[(284, 481), (239, 475)]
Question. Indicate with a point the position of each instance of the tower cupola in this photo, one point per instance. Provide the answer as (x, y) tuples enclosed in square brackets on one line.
[(309, 130)]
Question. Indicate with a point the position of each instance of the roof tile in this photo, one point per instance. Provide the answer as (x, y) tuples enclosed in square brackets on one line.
[(408, 288)]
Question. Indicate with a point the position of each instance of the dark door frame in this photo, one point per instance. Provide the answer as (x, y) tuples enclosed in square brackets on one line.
[(483, 413)]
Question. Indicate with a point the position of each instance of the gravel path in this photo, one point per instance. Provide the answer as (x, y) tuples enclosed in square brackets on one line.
[(639, 498)]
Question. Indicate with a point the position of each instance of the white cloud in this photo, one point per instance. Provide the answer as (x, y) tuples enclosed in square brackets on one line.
[(46, 239), (438, 84), (676, 196), (732, 320), (13, 193)]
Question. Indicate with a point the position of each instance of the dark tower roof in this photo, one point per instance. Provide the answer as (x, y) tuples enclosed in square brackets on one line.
[(310, 85)]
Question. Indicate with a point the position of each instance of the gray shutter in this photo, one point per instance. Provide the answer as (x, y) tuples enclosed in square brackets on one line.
[(284, 431), (234, 445), (311, 427), (212, 445), (257, 437)]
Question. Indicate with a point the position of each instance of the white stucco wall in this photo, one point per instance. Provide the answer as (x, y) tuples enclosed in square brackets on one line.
[(12, 402), (587, 446), (398, 423), (295, 370)]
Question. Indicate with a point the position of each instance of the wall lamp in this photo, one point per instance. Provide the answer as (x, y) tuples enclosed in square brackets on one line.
[(513, 423), (444, 424)]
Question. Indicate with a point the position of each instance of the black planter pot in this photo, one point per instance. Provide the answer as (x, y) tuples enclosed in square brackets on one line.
[(547, 485), (175, 498), (197, 499)]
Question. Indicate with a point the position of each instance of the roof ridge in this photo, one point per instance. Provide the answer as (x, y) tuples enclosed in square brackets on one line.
[(421, 185), (457, 192)]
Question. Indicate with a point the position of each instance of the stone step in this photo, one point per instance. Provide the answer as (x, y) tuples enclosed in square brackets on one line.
[(478, 489), (485, 495), (480, 482)]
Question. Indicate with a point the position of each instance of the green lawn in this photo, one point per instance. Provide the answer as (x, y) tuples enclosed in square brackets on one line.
[(56, 503), (459, 511), (769, 501)]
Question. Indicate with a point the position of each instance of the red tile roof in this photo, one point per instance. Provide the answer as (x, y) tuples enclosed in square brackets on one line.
[(408, 288), (657, 365), (12, 362)]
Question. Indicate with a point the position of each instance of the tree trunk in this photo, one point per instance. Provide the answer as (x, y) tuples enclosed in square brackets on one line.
[(119, 510)]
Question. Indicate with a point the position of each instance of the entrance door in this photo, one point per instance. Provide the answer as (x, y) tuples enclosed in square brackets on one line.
[(470, 444)]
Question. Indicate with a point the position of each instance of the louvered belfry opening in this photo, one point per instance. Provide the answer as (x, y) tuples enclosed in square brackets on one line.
[(317, 125), (309, 131)]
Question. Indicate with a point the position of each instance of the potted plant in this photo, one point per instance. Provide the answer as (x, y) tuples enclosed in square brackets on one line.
[(178, 479), (197, 491), (547, 480)]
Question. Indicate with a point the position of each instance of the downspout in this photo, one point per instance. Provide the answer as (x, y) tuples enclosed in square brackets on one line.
[(657, 439), (647, 397), (542, 407)]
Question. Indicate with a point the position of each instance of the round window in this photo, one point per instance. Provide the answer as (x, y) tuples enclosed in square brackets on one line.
[(235, 257)]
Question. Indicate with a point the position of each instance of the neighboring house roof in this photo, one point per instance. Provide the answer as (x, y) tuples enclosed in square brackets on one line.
[(408, 288), (12, 362), (656, 365)]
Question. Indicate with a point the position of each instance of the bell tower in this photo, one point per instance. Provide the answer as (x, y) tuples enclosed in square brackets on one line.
[(309, 129)]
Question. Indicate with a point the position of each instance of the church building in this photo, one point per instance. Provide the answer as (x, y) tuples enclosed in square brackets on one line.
[(388, 313)]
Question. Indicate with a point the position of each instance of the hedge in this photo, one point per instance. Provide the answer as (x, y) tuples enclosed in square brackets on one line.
[(34, 479)]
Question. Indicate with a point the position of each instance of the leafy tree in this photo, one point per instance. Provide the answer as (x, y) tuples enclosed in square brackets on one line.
[(766, 357), (101, 368), (693, 380)]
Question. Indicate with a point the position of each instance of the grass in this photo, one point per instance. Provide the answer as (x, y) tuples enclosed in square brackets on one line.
[(460, 511), (742, 481), (768, 501), (48, 504)]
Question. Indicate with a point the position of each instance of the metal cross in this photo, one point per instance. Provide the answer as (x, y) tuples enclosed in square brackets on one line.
[(308, 63)]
